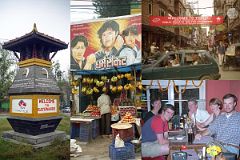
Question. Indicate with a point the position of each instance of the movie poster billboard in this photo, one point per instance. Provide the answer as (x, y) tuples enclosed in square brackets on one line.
[(106, 43)]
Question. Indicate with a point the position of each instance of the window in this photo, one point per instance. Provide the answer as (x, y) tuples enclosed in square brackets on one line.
[(162, 12), (171, 60), (177, 93), (150, 8), (196, 59)]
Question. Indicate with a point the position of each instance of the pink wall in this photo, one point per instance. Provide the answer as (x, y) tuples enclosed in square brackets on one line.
[(219, 88), (235, 89)]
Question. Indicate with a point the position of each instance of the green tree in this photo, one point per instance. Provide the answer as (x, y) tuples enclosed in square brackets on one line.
[(62, 82), (112, 8), (7, 72), (57, 71)]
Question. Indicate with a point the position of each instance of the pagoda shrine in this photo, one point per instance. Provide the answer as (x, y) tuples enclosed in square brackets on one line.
[(34, 94)]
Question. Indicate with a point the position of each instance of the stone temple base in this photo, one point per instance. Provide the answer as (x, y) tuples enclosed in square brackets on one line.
[(38, 141), (34, 126)]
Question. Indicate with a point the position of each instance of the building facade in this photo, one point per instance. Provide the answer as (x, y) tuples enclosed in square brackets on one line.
[(229, 31), (177, 36)]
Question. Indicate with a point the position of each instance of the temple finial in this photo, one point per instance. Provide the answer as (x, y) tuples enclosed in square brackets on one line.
[(34, 27)]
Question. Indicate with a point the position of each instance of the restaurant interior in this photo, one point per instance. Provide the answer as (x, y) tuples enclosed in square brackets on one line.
[(182, 142)]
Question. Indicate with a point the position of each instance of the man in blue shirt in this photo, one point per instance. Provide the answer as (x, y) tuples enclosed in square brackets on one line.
[(226, 126)]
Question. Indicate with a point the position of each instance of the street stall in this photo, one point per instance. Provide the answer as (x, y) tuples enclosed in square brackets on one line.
[(106, 82)]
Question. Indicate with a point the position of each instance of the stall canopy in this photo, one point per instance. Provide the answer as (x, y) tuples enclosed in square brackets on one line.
[(136, 67)]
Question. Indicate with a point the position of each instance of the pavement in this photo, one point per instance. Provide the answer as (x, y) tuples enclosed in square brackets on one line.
[(98, 149), (3, 115), (231, 74)]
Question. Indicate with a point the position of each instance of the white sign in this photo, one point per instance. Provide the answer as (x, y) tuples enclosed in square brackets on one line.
[(47, 105), (22, 106), (232, 13)]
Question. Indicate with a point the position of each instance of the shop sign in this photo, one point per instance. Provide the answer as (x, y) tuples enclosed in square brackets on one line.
[(232, 13), (106, 43), (220, 27), (185, 21), (47, 105), (22, 106)]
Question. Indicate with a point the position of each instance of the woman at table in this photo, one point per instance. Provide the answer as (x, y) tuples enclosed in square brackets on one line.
[(215, 106)]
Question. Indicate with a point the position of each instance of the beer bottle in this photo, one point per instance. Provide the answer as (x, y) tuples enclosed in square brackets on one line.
[(190, 135)]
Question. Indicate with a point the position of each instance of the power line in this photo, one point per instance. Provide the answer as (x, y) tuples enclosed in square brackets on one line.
[(100, 5), (84, 8), (72, 6)]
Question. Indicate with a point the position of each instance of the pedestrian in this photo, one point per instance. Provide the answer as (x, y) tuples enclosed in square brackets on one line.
[(221, 52)]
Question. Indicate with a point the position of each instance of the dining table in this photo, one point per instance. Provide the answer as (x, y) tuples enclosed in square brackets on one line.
[(178, 142)]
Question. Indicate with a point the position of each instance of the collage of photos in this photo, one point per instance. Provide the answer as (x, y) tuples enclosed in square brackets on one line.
[(120, 80)]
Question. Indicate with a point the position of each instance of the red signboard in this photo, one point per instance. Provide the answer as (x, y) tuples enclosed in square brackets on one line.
[(185, 21)]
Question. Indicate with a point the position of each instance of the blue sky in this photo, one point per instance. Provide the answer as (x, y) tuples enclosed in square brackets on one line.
[(51, 16)]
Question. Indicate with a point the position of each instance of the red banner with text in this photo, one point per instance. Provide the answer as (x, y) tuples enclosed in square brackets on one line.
[(185, 21)]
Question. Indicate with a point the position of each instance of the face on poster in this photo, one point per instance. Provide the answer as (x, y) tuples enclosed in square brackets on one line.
[(106, 43)]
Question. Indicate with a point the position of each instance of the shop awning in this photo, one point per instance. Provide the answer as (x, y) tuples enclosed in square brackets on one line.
[(136, 67)]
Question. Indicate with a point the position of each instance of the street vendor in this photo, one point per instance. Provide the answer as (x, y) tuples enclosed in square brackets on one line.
[(226, 126), (155, 141), (104, 103)]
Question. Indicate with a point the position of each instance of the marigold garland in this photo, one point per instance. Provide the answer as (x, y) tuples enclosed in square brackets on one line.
[(197, 85), (160, 87), (175, 87)]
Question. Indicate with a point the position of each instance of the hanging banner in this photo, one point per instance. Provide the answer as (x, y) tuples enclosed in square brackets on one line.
[(185, 21), (106, 43)]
